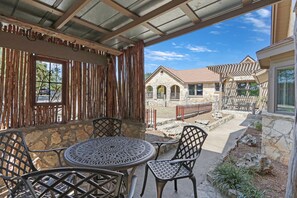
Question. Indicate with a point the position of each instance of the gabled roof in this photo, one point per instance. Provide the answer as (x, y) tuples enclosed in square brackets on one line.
[(248, 59), (200, 75)]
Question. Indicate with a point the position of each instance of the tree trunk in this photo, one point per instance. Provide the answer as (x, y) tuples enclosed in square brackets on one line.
[(291, 191)]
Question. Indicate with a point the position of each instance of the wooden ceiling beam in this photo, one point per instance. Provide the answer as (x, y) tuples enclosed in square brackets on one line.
[(70, 13), (143, 19), (190, 13), (60, 35), (131, 15), (202, 24), (75, 19)]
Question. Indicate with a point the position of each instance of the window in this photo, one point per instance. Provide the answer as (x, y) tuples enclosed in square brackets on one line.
[(149, 92), (247, 89), (195, 89), (191, 90), (253, 89), (285, 90), (217, 86), (48, 75), (199, 89)]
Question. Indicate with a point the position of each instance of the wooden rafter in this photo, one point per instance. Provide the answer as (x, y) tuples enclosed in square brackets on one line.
[(151, 15), (60, 35), (75, 19), (202, 24), (190, 13), (70, 13), (131, 15)]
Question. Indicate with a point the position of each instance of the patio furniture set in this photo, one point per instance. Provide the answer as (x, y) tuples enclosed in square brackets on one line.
[(102, 166)]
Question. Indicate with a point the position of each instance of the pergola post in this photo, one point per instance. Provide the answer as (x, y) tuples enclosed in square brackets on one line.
[(291, 190)]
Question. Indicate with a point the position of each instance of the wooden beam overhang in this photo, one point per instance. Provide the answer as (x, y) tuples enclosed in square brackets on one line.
[(49, 49), (202, 24), (131, 15), (75, 19), (151, 15), (63, 36), (70, 13), (190, 13)]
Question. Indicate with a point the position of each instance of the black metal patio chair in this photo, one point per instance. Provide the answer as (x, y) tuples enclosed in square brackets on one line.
[(15, 159), (106, 127), (70, 183), (182, 163)]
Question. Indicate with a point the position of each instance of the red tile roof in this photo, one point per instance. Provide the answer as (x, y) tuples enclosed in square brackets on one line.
[(195, 75)]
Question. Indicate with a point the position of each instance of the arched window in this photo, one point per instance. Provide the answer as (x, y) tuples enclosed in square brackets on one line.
[(161, 92), (149, 92), (174, 92)]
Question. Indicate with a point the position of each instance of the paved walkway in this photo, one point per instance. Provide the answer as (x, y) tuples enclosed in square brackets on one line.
[(217, 143)]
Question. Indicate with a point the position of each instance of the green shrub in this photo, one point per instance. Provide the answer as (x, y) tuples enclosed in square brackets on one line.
[(258, 125), (228, 176)]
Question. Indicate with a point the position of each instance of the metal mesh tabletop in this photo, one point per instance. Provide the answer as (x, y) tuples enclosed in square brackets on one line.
[(110, 152)]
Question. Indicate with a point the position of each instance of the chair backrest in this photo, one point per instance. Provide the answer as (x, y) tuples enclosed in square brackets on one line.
[(190, 144), (107, 127), (71, 182), (15, 159)]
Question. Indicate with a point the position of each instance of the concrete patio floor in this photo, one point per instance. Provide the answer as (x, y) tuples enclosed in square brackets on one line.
[(216, 145)]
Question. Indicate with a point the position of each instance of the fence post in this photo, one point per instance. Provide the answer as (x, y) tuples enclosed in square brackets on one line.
[(147, 119), (155, 119), (183, 113)]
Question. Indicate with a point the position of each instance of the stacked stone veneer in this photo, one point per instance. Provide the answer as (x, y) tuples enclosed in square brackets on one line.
[(65, 135), (277, 136)]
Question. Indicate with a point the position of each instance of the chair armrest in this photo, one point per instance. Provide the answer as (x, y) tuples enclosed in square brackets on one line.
[(160, 143), (58, 151), (132, 187)]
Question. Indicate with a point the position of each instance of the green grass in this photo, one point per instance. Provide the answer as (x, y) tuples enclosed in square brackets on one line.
[(228, 176)]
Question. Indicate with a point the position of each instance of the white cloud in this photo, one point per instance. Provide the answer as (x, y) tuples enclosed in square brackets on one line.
[(264, 13), (164, 55), (199, 49), (215, 32), (150, 67), (259, 25)]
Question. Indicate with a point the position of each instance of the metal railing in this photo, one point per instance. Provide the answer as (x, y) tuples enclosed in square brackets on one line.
[(183, 111)]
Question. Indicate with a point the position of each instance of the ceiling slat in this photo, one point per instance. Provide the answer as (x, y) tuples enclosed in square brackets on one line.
[(131, 15), (70, 13), (190, 13), (75, 19), (151, 15)]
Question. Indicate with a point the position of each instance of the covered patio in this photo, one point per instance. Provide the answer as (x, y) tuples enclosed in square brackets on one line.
[(65, 63)]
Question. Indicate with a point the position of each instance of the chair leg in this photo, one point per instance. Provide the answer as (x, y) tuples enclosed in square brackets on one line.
[(193, 178), (160, 186), (144, 181), (175, 185)]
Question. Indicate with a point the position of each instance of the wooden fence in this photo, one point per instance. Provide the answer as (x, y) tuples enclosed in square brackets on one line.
[(151, 118), (183, 111), (91, 90)]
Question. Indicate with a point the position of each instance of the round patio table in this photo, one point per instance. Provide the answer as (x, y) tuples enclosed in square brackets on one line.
[(115, 153)]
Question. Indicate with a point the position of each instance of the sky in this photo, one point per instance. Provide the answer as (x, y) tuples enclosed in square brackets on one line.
[(227, 42)]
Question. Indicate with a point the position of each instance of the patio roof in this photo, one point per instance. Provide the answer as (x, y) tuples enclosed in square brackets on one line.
[(110, 26), (239, 69)]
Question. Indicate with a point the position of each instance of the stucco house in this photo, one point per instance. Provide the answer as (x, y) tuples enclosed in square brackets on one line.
[(279, 58), (171, 87)]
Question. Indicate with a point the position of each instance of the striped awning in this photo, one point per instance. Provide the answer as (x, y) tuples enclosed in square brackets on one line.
[(232, 70)]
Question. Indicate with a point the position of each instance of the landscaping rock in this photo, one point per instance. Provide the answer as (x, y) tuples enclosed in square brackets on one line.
[(204, 122), (260, 163), (249, 140)]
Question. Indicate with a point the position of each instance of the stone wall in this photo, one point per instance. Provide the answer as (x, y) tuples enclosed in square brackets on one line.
[(277, 136), (65, 135)]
